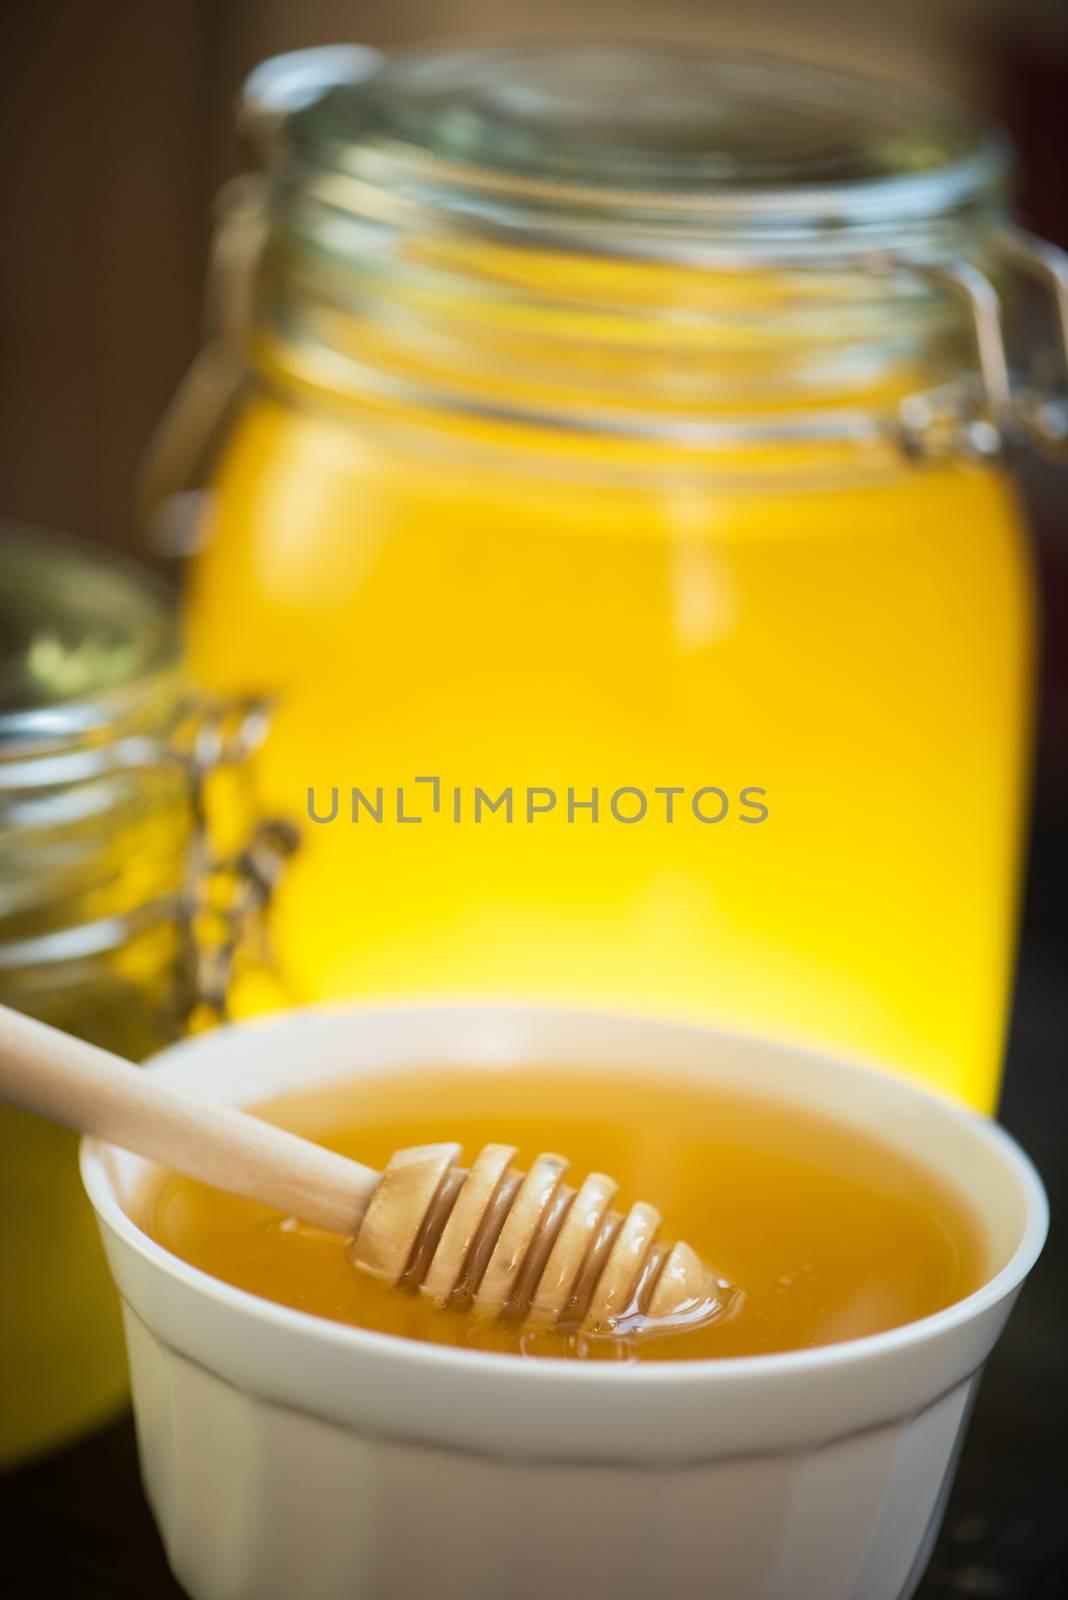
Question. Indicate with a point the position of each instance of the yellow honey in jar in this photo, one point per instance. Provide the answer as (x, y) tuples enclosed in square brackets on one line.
[(577, 460), (855, 655), (819, 1233)]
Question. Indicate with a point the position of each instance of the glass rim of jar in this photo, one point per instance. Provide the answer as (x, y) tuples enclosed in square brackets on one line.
[(838, 283), (713, 155), (91, 691), (427, 239), (103, 682)]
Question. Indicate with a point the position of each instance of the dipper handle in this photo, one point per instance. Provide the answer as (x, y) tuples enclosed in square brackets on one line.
[(488, 1239), (96, 1092)]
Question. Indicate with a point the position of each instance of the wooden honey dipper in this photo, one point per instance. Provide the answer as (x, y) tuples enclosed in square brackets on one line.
[(485, 1238)]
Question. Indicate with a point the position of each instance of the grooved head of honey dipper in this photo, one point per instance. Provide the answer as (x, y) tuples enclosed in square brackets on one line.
[(386, 1238), (648, 1288), (453, 1251), (526, 1245), (686, 1292)]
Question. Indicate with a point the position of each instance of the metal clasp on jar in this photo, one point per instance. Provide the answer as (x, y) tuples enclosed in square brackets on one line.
[(1005, 407), (228, 890)]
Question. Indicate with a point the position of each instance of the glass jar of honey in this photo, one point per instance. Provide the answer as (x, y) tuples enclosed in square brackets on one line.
[(119, 921), (611, 489)]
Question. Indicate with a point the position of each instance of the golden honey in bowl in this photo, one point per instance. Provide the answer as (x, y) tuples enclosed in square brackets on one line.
[(820, 1234)]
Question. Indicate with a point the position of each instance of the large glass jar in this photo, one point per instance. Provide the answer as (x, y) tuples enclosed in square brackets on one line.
[(119, 922), (613, 496)]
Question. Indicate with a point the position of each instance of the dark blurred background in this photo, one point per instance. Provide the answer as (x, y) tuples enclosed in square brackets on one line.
[(116, 133)]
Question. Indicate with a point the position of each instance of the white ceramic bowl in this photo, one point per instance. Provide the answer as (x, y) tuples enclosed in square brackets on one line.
[(290, 1458)]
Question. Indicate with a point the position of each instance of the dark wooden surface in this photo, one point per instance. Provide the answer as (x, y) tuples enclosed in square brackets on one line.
[(76, 1527)]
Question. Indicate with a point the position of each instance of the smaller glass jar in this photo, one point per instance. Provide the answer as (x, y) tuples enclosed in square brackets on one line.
[(119, 921)]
